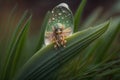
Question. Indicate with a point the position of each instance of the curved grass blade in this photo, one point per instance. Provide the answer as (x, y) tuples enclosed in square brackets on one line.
[(78, 14), (42, 31), (12, 40), (3, 38), (14, 36), (104, 43), (109, 72), (18, 47), (97, 52), (97, 71), (48, 59), (13, 49)]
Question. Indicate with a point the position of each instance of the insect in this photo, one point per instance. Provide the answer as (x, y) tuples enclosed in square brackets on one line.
[(60, 26)]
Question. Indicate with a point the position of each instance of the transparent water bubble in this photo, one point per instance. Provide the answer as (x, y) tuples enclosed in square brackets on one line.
[(60, 16)]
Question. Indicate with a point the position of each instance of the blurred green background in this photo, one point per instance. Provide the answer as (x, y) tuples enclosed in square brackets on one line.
[(19, 46), (38, 8)]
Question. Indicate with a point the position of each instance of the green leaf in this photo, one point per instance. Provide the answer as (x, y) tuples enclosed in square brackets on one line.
[(11, 43), (18, 47), (48, 59), (6, 32), (15, 47), (97, 53), (18, 27), (78, 14), (104, 43), (109, 72), (42, 31), (99, 71)]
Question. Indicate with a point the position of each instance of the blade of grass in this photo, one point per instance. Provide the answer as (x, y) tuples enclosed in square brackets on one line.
[(3, 38), (19, 45), (47, 59), (94, 50), (110, 32), (114, 32), (42, 31), (12, 40), (78, 14), (17, 30), (97, 70), (109, 72), (12, 48), (106, 41)]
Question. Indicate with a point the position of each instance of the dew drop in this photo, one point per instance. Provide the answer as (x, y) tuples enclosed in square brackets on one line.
[(53, 18), (52, 11), (59, 14), (66, 16), (49, 20), (63, 11), (62, 17), (55, 15), (63, 5)]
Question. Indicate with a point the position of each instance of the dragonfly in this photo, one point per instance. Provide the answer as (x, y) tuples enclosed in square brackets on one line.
[(59, 26)]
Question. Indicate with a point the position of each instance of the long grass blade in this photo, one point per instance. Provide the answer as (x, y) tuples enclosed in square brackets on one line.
[(48, 59), (12, 49), (42, 31), (78, 15), (18, 47)]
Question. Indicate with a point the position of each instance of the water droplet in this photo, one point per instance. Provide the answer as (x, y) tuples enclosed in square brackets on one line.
[(66, 16), (67, 21), (63, 11), (53, 18), (59, 14), (52, 11), (55, 15)]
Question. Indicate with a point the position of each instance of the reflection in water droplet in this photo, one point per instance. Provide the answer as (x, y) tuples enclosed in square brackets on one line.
[(59, 14), (49, 20), (52, 11), (53, 18), (62, 17), (63, 11), (65, 16), (58, 20)]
